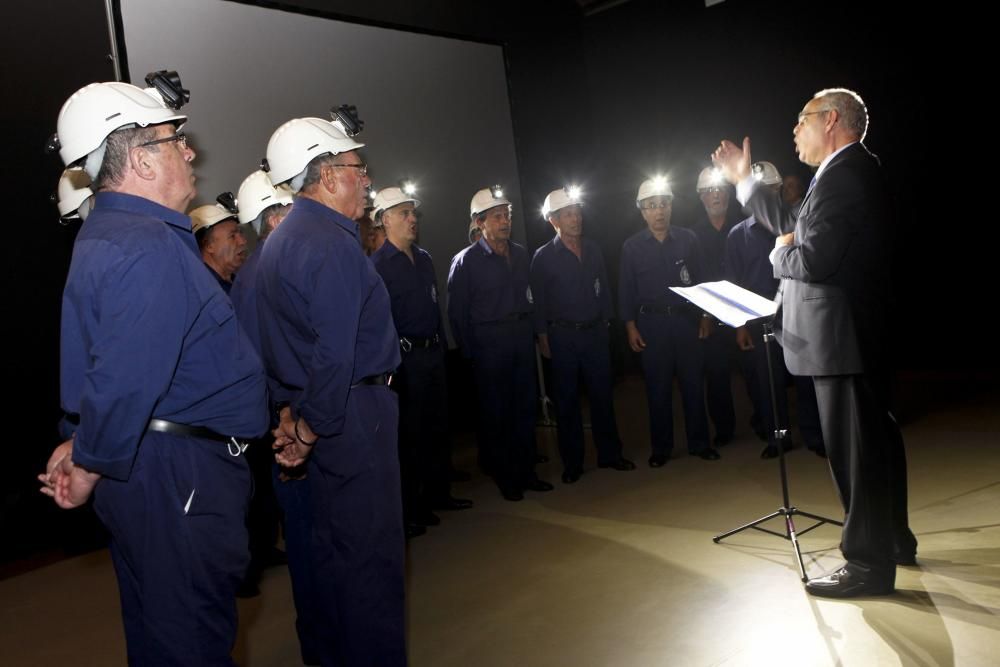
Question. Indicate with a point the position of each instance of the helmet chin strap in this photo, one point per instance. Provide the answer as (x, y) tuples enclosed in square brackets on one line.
[(94, 161), (296, 183)]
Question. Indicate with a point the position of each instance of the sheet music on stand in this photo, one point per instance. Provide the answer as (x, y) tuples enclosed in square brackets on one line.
[(729, 303)]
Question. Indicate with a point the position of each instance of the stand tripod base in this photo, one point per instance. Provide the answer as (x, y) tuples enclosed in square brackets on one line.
[(790, 533)]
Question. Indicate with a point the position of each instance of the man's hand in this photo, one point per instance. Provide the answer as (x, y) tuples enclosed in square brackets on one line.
[(543, 346), (743, 339), (66, 483), (705, 327), (635, 340), (293, 441), (732, 161), (292, 455), (785, 239)]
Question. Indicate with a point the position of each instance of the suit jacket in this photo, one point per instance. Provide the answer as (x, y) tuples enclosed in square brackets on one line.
[(834, 294)]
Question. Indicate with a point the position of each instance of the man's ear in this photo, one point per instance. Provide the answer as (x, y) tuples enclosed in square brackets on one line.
[(141, 162), (328, 178)]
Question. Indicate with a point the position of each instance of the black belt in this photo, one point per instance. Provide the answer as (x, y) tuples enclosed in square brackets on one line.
[(664, 310), (236, 446), (384, 378), (407, 343), (569, 324), (513, 317)]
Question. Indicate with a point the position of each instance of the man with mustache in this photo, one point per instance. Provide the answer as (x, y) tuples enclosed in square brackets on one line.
[(222, 244), (490, 306)]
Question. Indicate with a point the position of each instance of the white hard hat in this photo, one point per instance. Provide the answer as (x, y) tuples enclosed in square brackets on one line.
[(654, 187), (765, 173), (73, 191), (559, 199), (486, 199), (710, 177), (205, 216), (294, 145), (386, 198), (256, 194), (97, 110)]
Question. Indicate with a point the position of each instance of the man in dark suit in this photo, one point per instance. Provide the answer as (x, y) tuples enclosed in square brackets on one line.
[(832, 325)]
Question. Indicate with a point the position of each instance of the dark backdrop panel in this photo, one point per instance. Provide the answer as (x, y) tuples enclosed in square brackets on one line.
[(435, 109)]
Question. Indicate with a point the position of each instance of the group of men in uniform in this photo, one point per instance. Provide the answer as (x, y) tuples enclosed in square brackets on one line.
[(168, 369)]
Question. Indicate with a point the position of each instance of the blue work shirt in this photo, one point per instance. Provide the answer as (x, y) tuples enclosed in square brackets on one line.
[(649, 268), (412, 290), (712, 242), (223, 283), (324, 314), (146, 332), (747, 263), (486, 287), (244, 296), (569, 288)]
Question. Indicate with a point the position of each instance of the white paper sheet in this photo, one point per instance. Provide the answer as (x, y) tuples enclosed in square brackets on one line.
[(729, 303)]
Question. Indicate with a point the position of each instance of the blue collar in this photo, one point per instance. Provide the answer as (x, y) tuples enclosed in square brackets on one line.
[(142, 206), (313, 207)]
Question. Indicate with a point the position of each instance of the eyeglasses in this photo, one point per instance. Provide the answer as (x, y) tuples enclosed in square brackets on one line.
[(360, 166), (802, 116), (180, 138), (652, 206)]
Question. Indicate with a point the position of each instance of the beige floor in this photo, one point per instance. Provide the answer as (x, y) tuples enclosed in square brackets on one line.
[(621, 570)]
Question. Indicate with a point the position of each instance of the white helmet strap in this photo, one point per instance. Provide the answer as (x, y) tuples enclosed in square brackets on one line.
[(296, 183), (95, 159)]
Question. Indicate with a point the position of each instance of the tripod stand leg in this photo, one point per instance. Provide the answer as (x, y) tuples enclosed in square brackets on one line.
[(772, 515), (790, 529)]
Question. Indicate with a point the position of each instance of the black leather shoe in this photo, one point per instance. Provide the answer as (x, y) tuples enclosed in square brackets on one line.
[(449, 503), (819, 451), (414, 529), (621, 464), (512, 494), (907, 560), (571, 476), (846, 584), (541, 458), (458, 475), (538, 485), (424, 518), (657, 460), (769, 452), (708, 454)]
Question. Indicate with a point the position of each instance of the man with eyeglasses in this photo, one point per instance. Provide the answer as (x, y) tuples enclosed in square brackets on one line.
[(159, 383), (489, 306), (572, 311), (329, 344), (662, 328), (747, 265), (832, 325), (720, 345)]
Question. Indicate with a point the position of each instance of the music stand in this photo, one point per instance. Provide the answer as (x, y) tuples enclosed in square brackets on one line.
[(736, 306)]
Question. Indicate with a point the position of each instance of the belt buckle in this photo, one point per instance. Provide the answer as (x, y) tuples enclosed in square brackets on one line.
[(405, 344), (236, 447)]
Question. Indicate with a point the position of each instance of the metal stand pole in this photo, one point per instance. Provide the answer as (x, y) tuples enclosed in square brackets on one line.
[(786, 510)]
